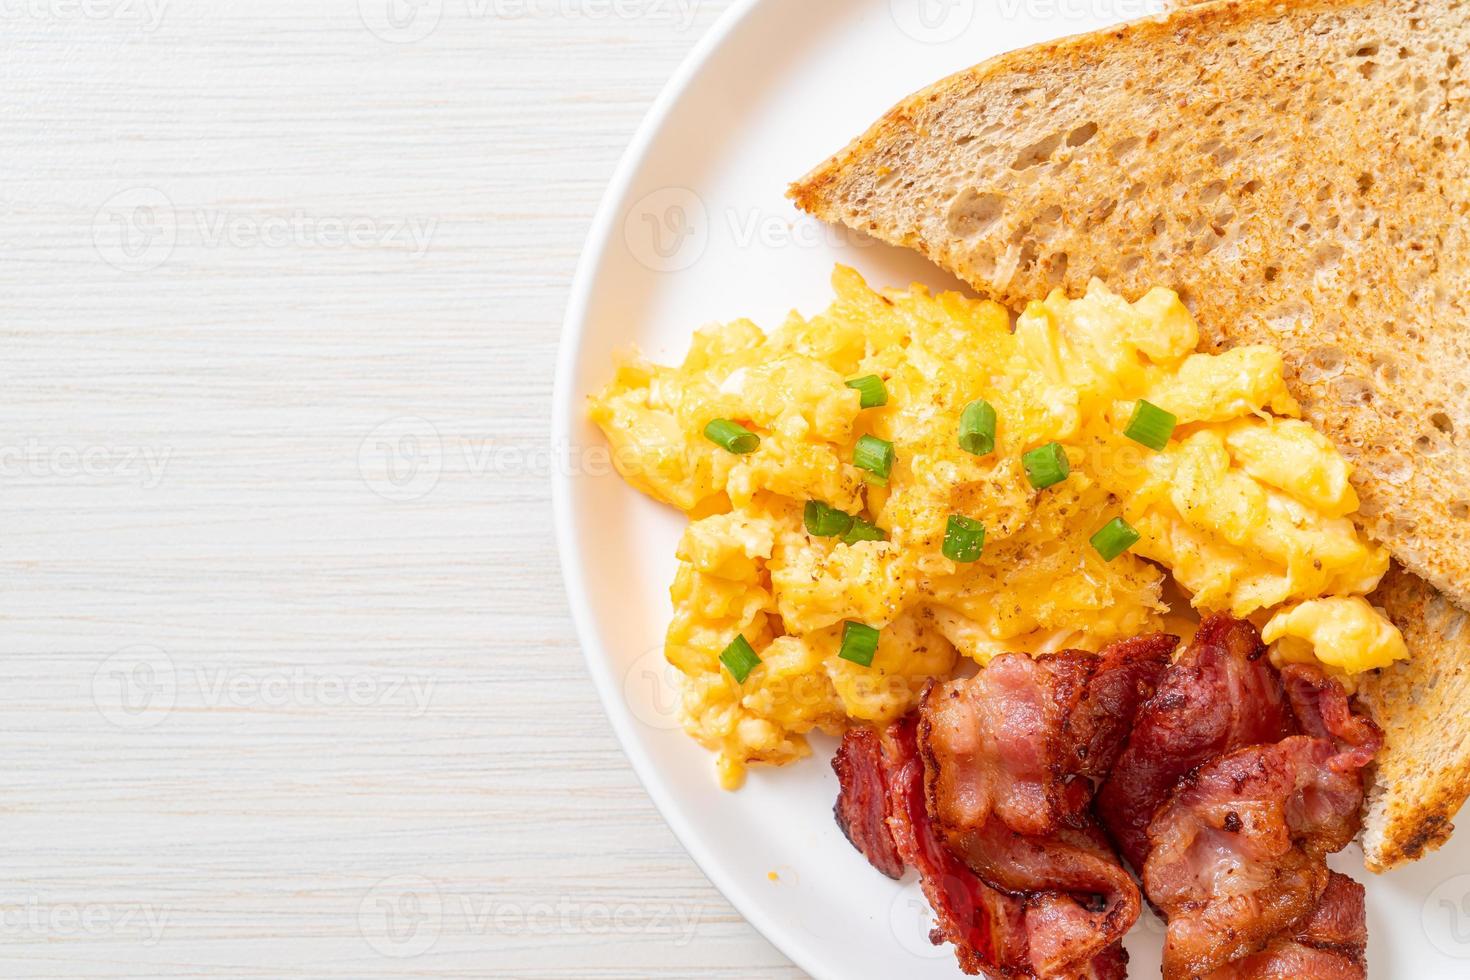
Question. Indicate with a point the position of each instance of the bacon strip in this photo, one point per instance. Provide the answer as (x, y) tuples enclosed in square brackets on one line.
[(1330, 944), (1237, 858), (1220, 696), (1010, 757), (986, 927), (1239, 852), (993, 932), (862, 805), (1023, 739)]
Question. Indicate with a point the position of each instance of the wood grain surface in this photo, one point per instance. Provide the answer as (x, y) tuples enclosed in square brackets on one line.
[(288, 685)]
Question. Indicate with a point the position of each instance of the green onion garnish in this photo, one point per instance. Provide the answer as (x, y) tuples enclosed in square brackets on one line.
[(1116, 537), (732, 436), (1151, 425), (1046, 465), (874, 455), (864, 531), (739, 659), (977, 428), (859, 643), (871, 387), (964, 539), (826, 522)]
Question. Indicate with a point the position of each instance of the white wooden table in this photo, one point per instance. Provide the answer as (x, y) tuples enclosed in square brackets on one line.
[(288, 687)]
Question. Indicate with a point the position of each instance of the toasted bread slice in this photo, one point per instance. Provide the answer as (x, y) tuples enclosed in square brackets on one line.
[(1299, 172), (1422, 777)]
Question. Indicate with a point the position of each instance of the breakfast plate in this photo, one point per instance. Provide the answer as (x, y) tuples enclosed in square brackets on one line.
[(696, 229)]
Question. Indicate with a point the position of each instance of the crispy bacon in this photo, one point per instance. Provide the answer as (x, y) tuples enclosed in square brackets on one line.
[(862, 807), (987, 928), (1224, 782), (989, 803), (1330, 944), (1220, 696), (1322, 710), (1079, 902), (1010, 757), (1022, 739), (1239, 853)]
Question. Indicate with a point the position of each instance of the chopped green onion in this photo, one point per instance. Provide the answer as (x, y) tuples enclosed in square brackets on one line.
[(864, 531), (1151, 425), (964, 539), (1116, 537), (859, 643), (1046, 465), (732, 436), (740, 659), (977, 428), (875, 395), (826, 522), (874, 455)]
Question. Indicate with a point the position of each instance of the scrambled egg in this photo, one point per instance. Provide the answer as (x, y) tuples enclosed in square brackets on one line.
[(1247, 506)]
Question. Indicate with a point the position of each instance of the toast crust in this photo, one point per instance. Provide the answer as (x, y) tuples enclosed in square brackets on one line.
[(1422, 778)]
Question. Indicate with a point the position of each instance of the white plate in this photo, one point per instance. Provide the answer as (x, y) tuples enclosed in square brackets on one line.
[(694, 229)]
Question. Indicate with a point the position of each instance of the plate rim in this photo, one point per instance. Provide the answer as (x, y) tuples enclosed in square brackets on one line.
[(599, 238)]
